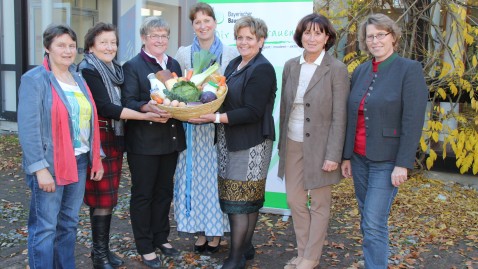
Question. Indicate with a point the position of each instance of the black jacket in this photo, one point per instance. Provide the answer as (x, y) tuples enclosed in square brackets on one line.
[(145, 137), (105, 107), (249, 103)]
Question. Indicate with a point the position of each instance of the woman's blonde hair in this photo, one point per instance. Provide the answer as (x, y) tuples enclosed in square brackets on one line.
[(257, 26)]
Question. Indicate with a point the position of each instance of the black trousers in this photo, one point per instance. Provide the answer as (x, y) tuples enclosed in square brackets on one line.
[(151, 196)]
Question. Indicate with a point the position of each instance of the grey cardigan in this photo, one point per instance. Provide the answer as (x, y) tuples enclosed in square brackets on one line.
[(394, 110)]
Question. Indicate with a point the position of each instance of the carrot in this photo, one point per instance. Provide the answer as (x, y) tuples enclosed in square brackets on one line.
[(222, 81), (189, 74), (174, 74)]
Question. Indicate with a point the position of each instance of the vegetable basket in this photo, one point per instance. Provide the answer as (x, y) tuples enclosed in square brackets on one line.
[(190, 112)]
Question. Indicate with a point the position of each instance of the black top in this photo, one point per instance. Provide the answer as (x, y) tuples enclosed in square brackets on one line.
[(145, 137), (105, 107), (249, 103)]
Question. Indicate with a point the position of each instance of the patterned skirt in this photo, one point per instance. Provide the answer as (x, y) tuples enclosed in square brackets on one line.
[(242, 176), (104, 193)]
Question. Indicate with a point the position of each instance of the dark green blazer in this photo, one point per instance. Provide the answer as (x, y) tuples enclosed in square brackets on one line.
[(394, 110)]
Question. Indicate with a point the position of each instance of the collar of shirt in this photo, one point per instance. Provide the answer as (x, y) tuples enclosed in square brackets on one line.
[(161, 63), (317, 61)]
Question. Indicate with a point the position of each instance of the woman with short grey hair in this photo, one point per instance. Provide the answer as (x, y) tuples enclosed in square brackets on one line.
[(152, 147)]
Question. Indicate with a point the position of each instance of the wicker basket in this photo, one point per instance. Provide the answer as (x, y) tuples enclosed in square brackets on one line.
[(191, 112)]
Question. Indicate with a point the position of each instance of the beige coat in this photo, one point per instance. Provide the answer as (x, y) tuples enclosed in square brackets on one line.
[(325, 103)]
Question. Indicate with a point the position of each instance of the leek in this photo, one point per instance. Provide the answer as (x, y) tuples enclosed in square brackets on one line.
[(198, 79), (201, 60)]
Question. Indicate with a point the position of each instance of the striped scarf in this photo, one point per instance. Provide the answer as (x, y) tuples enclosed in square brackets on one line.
[(111, 77)]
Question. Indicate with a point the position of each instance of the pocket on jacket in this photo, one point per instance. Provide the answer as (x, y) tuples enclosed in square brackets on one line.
[(391, 132)]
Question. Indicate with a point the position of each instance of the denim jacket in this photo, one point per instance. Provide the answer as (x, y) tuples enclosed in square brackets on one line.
[(34, 117)]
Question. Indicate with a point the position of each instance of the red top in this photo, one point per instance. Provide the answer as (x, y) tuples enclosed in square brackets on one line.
[(360, 134)]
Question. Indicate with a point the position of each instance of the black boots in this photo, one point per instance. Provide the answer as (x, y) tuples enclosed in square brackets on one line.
[(101, 256)]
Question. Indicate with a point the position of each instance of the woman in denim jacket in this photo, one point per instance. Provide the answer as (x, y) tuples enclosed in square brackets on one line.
[(58, 131)]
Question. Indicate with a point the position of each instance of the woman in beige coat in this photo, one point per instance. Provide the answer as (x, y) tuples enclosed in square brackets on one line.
[(315, 87)]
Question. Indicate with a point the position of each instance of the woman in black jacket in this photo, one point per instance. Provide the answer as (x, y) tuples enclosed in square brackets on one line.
[(152, 147), (104, 76), (245, 135)]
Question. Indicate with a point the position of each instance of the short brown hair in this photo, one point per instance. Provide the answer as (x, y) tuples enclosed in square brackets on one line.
[(257, 26), (382, 22), (201, 7), (96, 30), (311, 20), (56, 30)]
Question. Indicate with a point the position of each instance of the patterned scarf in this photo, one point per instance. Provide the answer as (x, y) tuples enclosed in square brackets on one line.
[(111, 76)]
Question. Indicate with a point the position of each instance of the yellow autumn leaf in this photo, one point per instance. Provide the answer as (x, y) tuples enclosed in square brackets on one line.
[(475, 165), (349, 56), (423, 145), (453, 88), (442, 93), (444, 70), (429, 163)]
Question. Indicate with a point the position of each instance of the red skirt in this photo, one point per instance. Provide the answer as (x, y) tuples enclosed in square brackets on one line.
[(104, 193)]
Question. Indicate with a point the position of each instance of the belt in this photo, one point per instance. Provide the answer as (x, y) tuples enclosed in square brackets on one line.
[(105, 125)]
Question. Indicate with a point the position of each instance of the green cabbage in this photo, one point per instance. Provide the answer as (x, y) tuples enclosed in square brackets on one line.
[(183, 91)]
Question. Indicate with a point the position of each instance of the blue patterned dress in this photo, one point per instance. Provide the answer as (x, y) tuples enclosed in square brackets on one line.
[(196, 198)]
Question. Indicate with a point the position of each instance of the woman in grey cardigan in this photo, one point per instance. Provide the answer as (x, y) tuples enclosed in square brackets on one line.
[(196, 199), (386, 111), (315, 87)]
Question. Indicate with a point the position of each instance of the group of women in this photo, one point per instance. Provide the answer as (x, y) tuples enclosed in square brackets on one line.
[(74, 128)]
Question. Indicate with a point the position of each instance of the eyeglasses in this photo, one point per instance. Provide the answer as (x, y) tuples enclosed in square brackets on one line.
[(379, 36), (158, 37)]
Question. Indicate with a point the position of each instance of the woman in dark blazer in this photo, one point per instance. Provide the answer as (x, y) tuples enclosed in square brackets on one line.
[(386, 111), (152, 147), (104, 77), (245, 137), (315, 88)]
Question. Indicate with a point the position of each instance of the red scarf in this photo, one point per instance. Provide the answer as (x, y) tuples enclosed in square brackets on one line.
[(64, 160)]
